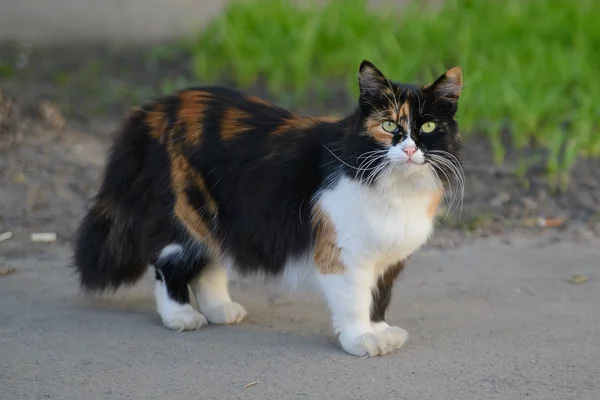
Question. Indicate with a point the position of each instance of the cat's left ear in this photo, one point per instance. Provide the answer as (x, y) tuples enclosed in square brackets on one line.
[(448, 85), (370, 79)]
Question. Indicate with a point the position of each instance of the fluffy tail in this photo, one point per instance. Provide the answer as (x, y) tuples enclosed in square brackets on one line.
[(108, 250)]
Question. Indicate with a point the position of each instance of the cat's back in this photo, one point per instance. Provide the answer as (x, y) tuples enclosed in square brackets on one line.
[(226, 133), (211, 113), (221, 121)]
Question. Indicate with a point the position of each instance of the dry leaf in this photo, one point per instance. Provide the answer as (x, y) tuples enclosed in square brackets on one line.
[(544, 222), (552, 222), (46, 237), (250, 384), (5, 236), (7, 271), (578, 279), (20, 178), (51, 115)]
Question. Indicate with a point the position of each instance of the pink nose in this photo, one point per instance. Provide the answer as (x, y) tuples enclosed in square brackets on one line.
[(410, 150)]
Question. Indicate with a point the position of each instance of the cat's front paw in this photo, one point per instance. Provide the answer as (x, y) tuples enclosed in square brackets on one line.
[(367, 344), (184, 318), (394, 336), (230, 313)]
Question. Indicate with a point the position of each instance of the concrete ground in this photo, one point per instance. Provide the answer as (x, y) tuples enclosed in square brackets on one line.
[(488, 320)]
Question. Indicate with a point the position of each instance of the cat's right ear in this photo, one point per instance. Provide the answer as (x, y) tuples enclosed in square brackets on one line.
[(370, 79)]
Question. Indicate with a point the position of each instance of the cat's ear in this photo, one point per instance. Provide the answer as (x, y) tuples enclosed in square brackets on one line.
[(448, 85), (370, 79)]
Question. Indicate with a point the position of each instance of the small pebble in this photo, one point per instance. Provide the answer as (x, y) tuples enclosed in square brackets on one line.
[(578, 279), (7, 271), (5, 236), (51, 115), (529, 203), (500, 199), (45, 237)]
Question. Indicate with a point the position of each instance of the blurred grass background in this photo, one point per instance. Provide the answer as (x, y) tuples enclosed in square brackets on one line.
[(530, 67)]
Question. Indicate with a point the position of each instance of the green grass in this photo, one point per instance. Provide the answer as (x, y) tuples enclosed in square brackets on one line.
[(531, 67), (6, 71)]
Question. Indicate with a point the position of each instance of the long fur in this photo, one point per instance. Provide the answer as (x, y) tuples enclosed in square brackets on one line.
[(228, 179)]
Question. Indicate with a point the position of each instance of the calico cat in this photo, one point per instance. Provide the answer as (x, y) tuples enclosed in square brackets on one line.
[(210, 180)]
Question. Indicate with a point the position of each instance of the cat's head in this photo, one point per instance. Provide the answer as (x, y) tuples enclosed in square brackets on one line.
[(408, 128)]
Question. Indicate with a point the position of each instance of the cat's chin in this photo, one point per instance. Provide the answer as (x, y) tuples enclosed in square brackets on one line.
[(417, 178), (409, 167)]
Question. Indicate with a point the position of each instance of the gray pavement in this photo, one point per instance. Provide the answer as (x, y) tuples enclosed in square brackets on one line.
[(487, 321)]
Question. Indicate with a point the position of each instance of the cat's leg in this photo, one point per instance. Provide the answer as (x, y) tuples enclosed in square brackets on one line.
[(394, 336), (174, 270), (349, 296), (212, 294)]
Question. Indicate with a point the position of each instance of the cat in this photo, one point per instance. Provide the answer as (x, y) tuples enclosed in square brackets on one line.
[(209, 180)]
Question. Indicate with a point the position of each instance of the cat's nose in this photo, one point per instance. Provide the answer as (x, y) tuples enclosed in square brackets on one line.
[(410, 150)]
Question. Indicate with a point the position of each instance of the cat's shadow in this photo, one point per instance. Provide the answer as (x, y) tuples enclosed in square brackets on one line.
[(276, 327)]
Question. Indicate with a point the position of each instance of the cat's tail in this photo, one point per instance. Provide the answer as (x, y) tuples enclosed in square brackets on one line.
[(108, 248), (107, 251)]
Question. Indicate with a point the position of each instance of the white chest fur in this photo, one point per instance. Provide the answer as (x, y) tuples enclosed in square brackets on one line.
[(379, 226)]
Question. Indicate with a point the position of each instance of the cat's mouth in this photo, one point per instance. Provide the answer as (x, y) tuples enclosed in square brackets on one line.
[(408, 166), (400, 158)]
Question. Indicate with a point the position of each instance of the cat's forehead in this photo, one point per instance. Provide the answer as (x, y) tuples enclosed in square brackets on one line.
[(405, 93), (398, 101)]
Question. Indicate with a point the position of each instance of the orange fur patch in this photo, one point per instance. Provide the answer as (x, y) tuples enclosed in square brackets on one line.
[(435, 202), (260, 101), (375, 130), (452, 84), (455, 75), (326, 119), (183, 209), (327, 253), (191, 114), (404, 110), (232, 123), (182, 175), (403, 117), (198, 181), (157, 122), (295, 123)]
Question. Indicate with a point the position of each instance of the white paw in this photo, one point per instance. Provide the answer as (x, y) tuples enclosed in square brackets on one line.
[(184, 319), (395, 337), (367, 344), (230, 313)]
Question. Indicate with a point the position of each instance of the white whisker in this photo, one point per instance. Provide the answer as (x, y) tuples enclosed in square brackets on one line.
[(371, 162), (340, 160), (447, 162)]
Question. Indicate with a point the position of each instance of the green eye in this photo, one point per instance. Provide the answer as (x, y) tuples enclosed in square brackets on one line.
[(428, 127), (389, 126)]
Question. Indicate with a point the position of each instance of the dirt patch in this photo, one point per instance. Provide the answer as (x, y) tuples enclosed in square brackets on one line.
[(59, 109)]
